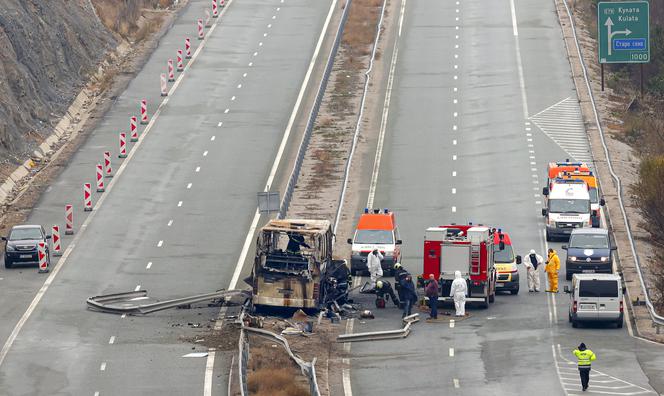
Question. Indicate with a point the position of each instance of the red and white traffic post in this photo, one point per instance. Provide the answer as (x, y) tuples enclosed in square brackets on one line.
[(43, 258), (187, 48), (207, 18), (201, 33), (171, 72), (164, 85), (144, 111), (222, 3), (215, 9), (87, 197), (108, 170), (123, 145), (133, 128), (57, 245), (100, 178), (69, 219), (180, 66)]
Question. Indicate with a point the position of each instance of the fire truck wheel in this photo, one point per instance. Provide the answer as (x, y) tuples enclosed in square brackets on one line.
[(492, 297), (485, 304)]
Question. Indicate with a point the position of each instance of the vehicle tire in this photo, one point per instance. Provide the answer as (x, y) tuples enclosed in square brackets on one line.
[(569, 317), (575, 324), (515, 291), (619, 324), (568, 275), (548, 237), (492, 297), (8, 263), (485, 304)]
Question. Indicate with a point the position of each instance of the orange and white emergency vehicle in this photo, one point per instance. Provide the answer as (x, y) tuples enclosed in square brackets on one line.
[(556, 168), (465, 248), (376, 229), (505, 262), (596, 202)]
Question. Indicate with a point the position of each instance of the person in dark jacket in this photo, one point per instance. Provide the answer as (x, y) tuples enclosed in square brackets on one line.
[(295, 242), (409, 295), (432, 292), (399, 274), (384, 291)]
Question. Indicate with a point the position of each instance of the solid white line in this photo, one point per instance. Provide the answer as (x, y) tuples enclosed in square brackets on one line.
[(345, 373), (111, 340), (209, 373), (102, 367), (149, 265), (207, 388), (524, 98), (255, 53), (403, 11)]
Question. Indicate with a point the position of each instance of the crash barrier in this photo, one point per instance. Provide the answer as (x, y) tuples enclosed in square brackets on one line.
[(123, 145), (201, 33), (125, 303), (57, 245), (187, 48), (108, 170), (215, 9), (133, 128), (100, 179), (144, 111), (69, 219), (243, 357), (180, 65), (308, 369), (304, 144), (87, 197), (207, 19), (358, 125), (164, 85), (171, 70), (380, 335), (43, 259), (651, 309)]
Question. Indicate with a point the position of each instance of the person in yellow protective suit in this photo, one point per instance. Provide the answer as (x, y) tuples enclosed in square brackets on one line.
[(552, 268)]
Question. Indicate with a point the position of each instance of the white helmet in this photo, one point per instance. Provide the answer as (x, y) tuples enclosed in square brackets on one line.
[(532, 251)]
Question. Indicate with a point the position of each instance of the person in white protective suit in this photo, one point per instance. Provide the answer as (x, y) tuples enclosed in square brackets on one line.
[(459, 290), (375, 269), (533, 262)]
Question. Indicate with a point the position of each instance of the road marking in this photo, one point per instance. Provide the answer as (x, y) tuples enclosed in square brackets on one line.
[(455, 101), (455, 89), (260, 44), (227, 110), (188, 187), (454, 142), (160, 243), (198, 169), (244, 75), (102, 367), (456, 114), (456, 77), (111, 340), (453, 209), (269, 25), (251, 64), (452, 324), (179, 204), (451, 352), (255, 53), (220, 124), (137, 288), (456, 383), (96, 393), (239, 86), (453, 173), (345, 373), (454, 127), (563, 123), (212, 138), (278, 8), (522, 84), (170, 223), (124, 315), (205, 153), (149, 265), (453, 190), (207, 382), (274, 17)]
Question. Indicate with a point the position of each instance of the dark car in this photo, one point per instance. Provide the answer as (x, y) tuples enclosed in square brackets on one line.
[(589, 252), (22, 245)]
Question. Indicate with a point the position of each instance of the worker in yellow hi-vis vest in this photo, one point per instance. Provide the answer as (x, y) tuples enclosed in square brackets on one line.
[(585, 356), (552, 268)]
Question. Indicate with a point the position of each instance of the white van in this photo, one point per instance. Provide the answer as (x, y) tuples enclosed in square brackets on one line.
[(596, 298)]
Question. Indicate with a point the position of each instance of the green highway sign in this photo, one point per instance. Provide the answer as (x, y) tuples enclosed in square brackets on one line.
[(623, 29)]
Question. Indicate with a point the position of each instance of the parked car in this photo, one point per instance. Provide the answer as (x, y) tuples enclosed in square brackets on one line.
[(22, 245), (596, 298), (589, 251)]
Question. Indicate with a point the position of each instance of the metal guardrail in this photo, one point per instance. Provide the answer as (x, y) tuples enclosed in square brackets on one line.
[(304, 144), (651, 309), (358, 125), (243, 362), (124, 303)]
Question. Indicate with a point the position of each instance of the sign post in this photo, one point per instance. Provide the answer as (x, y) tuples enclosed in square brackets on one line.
[(623, 32)]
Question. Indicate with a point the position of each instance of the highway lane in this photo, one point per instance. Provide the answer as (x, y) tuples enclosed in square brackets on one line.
[(460, 146), (176, 219)]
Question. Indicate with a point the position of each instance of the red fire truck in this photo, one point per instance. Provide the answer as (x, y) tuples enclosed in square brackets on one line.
[(464, 248)]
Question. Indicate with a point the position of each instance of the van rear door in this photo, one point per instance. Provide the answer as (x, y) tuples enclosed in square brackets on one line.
[(588, 300)]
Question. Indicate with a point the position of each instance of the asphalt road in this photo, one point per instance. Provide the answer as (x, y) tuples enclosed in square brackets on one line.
[(176, 218), (462, 144)]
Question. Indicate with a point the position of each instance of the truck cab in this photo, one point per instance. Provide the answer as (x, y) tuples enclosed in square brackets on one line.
[(596, 298), (567, 207), (505, 262), (589, 251), (375, 229), (294, 268)]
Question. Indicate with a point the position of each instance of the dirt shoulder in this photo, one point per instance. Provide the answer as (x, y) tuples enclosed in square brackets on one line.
[(623, 159)]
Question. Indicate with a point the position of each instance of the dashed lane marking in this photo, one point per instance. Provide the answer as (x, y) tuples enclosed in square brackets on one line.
[(451, 352), (102, 367), (160, 243), (188, 186), (205, 153), (562, 123), (149, 265), (111, 340), (179, 204), (452, 324), (212, 138), (456, 383), (198, 169), (170, 222)]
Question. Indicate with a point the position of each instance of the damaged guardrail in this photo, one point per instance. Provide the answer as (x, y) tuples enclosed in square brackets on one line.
[(381, 335), (125, 303)]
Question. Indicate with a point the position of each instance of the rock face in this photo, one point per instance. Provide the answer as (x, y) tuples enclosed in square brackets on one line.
[(47, 50)]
